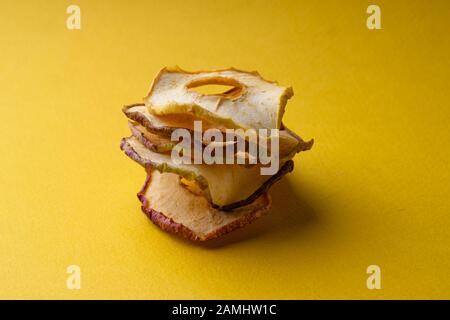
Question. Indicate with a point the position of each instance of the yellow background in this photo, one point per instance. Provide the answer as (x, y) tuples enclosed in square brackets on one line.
[(373, 190)]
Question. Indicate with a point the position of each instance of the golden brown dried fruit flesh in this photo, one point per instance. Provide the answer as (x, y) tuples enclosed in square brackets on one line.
[(164, 125), (289, 142), (229, 186), (176, 210), (252, 103)]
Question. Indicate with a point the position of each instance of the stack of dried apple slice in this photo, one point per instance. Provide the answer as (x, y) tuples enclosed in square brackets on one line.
[(201, 201)]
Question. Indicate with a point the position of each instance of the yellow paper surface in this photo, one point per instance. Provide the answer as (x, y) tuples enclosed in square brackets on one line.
[(373, 190)]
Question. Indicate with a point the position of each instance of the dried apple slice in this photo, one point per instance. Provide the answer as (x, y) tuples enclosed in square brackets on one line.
[(229, 186), (252, 103), (289, 142), (176, 210)]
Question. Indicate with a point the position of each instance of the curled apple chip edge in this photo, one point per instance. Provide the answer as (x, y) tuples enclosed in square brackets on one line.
[(210, 200)]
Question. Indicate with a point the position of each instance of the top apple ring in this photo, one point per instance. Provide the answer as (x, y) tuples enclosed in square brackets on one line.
[(252, 103)]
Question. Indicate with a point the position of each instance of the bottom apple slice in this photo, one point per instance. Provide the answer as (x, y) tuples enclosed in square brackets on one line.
[(177, 210)]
